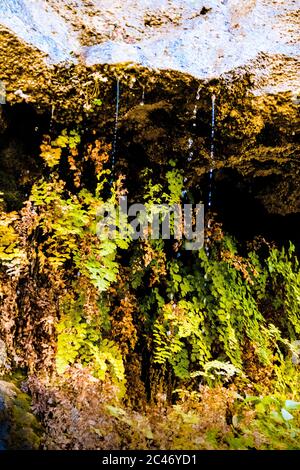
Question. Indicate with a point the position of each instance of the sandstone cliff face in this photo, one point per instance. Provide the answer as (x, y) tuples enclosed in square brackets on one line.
[(58, 56)]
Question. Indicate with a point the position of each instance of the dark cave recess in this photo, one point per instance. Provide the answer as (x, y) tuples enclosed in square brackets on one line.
[(236, 199)]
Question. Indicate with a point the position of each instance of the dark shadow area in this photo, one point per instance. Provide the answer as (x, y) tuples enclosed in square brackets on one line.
[(20, 143), (270, 136)]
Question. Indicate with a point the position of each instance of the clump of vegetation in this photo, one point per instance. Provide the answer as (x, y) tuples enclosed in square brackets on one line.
[(128, 344)]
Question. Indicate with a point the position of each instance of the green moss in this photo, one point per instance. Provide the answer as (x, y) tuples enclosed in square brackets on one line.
[(24, 430)]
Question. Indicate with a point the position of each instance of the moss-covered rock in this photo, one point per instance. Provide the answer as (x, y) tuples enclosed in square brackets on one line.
[(19, 428)]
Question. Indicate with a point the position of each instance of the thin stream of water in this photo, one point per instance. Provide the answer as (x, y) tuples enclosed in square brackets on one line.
[(143, 97), (191, 144), (115, 137), (51, 118), (194, 117), (212, 150), (211, 170), (191, 140)]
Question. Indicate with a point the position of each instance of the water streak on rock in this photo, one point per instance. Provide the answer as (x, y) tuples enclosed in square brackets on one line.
[(115, 137)]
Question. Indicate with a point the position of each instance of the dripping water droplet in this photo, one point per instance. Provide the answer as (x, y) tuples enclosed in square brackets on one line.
[(194, 117), (143, 97), (52, 117)]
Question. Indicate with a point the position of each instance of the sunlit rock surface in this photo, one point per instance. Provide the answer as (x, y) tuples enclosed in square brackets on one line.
[(204, 38)]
